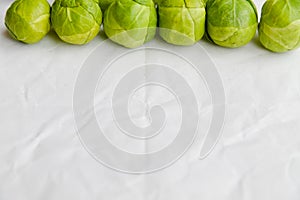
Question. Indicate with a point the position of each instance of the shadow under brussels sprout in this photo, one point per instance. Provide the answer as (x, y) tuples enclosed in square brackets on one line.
[(53, 36), (5, 33), (255, 40), (102, 34)]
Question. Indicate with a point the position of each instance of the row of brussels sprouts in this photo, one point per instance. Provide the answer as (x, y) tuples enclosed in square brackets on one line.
[(131, 23)]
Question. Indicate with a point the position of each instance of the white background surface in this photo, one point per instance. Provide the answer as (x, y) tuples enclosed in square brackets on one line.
[(41, 157)]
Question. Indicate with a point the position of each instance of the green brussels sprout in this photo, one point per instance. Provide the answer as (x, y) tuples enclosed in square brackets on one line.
[(279, 28), (181, 22), (231, 23), (130, 23), (76, 21), (28, 21)]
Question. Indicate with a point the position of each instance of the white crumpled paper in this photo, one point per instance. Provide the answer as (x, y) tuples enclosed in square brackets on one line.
[(42, 157)]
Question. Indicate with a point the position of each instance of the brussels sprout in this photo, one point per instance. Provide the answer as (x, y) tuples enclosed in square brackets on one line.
[(181, 22), (76, 21), (28, 21), (279, 28), (231, 23), (130, 23)]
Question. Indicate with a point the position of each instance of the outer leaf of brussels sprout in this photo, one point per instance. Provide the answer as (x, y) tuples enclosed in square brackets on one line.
[(28, 21), (181, 22), (76, 21), (181, 26), (231, 23), (105, 3), (130, 23), (231, 36), (279, 28), (181, 3)]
